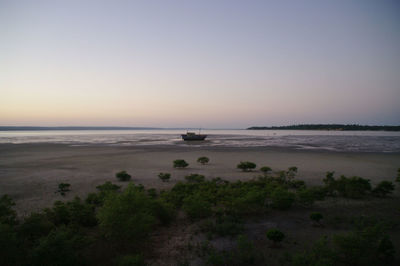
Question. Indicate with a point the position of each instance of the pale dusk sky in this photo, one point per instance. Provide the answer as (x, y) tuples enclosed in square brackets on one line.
[(215, 64)]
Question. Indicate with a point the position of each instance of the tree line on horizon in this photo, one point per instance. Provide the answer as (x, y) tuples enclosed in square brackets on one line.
[(328, 127)]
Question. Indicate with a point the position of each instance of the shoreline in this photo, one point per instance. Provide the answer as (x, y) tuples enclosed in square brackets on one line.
[(30, 173)]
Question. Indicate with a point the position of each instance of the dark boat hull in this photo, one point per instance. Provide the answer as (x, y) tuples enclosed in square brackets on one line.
[(195, 137)]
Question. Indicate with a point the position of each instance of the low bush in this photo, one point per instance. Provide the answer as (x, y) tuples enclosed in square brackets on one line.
[(164, 176), (123, 176), (203, 160), (383, 189), (196, 207), (306, 197), (275, 236), (180, 163), (349, 187), (282, 199), (246, 166)]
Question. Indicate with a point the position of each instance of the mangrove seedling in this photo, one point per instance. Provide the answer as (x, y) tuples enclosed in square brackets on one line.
[(203, 160)]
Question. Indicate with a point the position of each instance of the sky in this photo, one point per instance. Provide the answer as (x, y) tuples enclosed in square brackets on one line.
[(210, 64)]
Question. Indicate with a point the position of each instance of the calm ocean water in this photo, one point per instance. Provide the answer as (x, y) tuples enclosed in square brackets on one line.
[(355, 141)]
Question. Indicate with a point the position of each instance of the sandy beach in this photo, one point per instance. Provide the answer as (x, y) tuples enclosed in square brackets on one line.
[(30, 173)]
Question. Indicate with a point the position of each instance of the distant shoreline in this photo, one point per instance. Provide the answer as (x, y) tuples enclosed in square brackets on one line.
[(328, 127)]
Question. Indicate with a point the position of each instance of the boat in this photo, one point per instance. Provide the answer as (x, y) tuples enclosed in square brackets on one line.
[(193, 136)]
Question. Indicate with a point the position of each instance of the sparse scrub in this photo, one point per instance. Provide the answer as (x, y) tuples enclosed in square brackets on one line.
[(246, 166), (180, 163), (123, 176), (203, 160)]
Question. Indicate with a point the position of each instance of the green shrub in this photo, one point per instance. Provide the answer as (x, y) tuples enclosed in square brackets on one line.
[(75, 211), (196, 207), (195, 178), (10, 251), (59, 214), (63, 188), (353, 187), (245, 253), (369, 246), (383, 189), (265, 169), (60, 247), (7, 214), (252, 201), (282, 199), (180, 163), (203, 160), (320, 254), (275, 235), (123, 176), (223, 225), (127, 216), (306, 197), (164, 176), (246, 166), (152, 193), (398, 175), (81, 213), (131, 260), (316, 217), (349, 187), (35, 226)]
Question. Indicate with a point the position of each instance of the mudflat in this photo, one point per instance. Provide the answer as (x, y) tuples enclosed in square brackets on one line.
[(30, 173)]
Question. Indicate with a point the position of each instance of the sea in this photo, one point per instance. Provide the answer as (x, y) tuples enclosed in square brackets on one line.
[(337, 141)]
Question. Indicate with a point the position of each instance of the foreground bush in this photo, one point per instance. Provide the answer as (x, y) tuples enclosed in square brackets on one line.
[(203, 160), (246, 166), (123, 176), (180, 163)]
